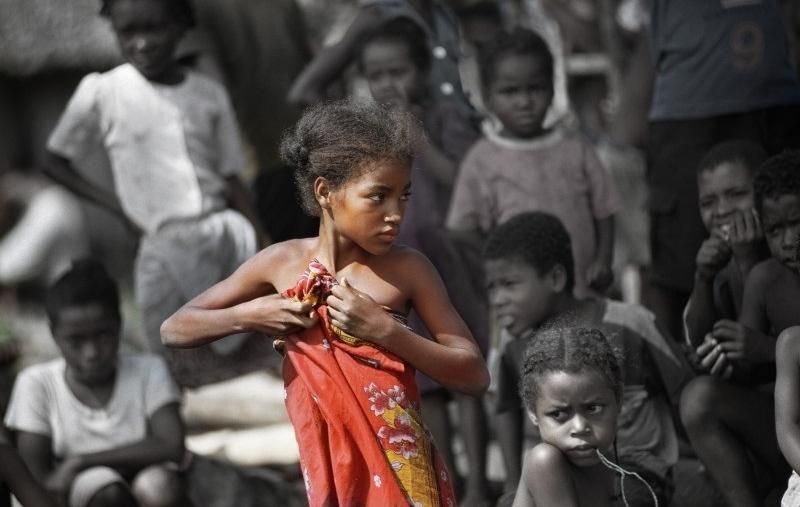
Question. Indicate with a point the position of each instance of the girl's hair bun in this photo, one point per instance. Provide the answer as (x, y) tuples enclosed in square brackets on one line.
[(336, 140)]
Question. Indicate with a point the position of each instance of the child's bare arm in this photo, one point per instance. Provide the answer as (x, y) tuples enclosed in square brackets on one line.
[(787, 395), (600, 275), (453, 359), (164, 443), (754, 313), (701, 313), (61, 170), (546, 480), (331, 61), (19, 479), (747, 340), (36, 451), (241, 201), (245, 301)]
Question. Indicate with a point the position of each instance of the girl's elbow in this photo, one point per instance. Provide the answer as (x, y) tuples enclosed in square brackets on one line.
[(169, 335), (478, 382)]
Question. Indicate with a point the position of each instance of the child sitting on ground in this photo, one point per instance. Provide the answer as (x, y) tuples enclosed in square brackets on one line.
[(572, 385), (529, 273), (395, 61), (175, 154), (17, 479), (729, 415), (735, 243), (340, 301), (96, 427), (521, 166)]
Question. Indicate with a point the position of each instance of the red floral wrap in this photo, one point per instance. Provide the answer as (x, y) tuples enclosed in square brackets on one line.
[(355, 412)]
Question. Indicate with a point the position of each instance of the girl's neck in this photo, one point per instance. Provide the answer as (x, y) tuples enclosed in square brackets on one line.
[(334, 250)]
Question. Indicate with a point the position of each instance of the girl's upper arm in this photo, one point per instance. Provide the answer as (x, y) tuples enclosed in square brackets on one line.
[(430, 300), (547, 478), (249, 281)]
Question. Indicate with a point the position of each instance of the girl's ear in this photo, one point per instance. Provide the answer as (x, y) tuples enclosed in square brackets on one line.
[(533, 418), (322, 192), (558, 278)]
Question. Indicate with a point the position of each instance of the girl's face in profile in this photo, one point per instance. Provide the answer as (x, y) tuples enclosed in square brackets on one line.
[(369, 208), (147, 36), (577, 413)]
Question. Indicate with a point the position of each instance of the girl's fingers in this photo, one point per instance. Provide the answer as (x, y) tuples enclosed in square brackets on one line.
[(711, 358), (719, 364), (705, 348), (335, 302), (337, 317), (723, 324), (732, 349)]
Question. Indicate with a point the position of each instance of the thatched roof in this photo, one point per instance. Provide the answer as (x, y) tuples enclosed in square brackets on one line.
[(44, 35)]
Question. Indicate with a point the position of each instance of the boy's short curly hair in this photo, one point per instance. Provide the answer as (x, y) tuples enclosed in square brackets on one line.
[(181, 10), (339, 140), (562, 348), (520, 41), (749, 153), (537, 238), (405, 31), (778, 176), (86, 282)]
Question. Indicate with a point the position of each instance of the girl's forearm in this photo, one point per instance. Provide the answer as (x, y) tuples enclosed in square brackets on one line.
[(457, 367), (192, 326)]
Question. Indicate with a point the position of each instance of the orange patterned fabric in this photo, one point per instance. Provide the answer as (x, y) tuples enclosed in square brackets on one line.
[(355, 412)]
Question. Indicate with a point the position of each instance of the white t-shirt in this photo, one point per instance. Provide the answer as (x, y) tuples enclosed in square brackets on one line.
[(170, 146), (41, 402)]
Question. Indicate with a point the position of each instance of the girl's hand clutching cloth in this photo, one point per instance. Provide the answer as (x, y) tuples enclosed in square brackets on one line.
[(278, 316), (358, 314)]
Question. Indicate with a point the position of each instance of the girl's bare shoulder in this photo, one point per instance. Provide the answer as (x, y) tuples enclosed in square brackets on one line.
[(287, 259), (403, 256)]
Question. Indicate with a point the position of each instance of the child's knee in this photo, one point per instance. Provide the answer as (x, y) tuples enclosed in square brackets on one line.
[(113, 495), (698, 400), (157, 486)]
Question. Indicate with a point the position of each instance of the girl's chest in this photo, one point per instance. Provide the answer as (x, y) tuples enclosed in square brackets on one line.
[(376, 283)]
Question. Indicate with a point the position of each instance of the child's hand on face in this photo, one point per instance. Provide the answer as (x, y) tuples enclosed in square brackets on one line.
[(740, 343), (713, 358), (744, 231), (358, 314), (713, 255), (278, 316), (599, 275)]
